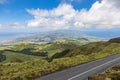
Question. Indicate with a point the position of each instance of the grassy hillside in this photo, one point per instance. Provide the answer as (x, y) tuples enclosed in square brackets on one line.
[(58, 47), (63, 55), (115, 40), (49, 48), (61, 45), (97, 48), (29, 51)]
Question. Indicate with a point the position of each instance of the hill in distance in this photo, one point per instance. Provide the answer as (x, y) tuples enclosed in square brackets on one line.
[(59, 35), (115, 40)]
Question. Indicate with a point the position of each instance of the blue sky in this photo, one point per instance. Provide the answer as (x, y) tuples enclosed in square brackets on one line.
[(43, 15)]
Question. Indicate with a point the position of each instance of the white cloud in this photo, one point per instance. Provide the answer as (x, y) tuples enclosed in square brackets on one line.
[(0, 26), (70, 1), (14, 25), (60, 17), (104, 14), (101, 15), (2, 1)]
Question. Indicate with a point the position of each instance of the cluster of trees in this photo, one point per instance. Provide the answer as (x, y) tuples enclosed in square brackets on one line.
[(29, 49), (2, 57), (58, 55)]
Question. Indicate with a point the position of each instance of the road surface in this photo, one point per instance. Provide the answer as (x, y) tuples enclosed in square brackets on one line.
[(82, 72)]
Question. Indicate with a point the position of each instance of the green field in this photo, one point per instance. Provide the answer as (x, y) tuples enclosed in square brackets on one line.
[(14, 57)]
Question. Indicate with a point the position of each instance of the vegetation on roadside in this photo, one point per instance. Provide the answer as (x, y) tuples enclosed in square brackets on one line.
[(111, 74)]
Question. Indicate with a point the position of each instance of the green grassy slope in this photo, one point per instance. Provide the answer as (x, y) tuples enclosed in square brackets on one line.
[(58, 47), (97, 48)]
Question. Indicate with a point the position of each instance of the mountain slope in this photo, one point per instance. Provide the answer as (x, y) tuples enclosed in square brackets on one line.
[(115, 40), (97, 47)]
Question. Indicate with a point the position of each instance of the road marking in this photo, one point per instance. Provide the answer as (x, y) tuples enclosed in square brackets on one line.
[(93, 68)]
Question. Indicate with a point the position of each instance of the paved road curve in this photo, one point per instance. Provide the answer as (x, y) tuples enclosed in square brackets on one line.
[(82, 72)]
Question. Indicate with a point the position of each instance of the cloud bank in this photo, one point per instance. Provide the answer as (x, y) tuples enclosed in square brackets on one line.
[(104, 14), (14, 25)]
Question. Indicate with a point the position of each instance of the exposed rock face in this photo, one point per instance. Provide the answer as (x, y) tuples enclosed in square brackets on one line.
[(115, 40)]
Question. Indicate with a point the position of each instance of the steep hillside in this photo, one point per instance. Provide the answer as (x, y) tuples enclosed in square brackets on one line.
[(115, 40), (96, 48)]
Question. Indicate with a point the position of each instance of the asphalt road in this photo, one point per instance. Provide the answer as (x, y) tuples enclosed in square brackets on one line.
[(82, 72)]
